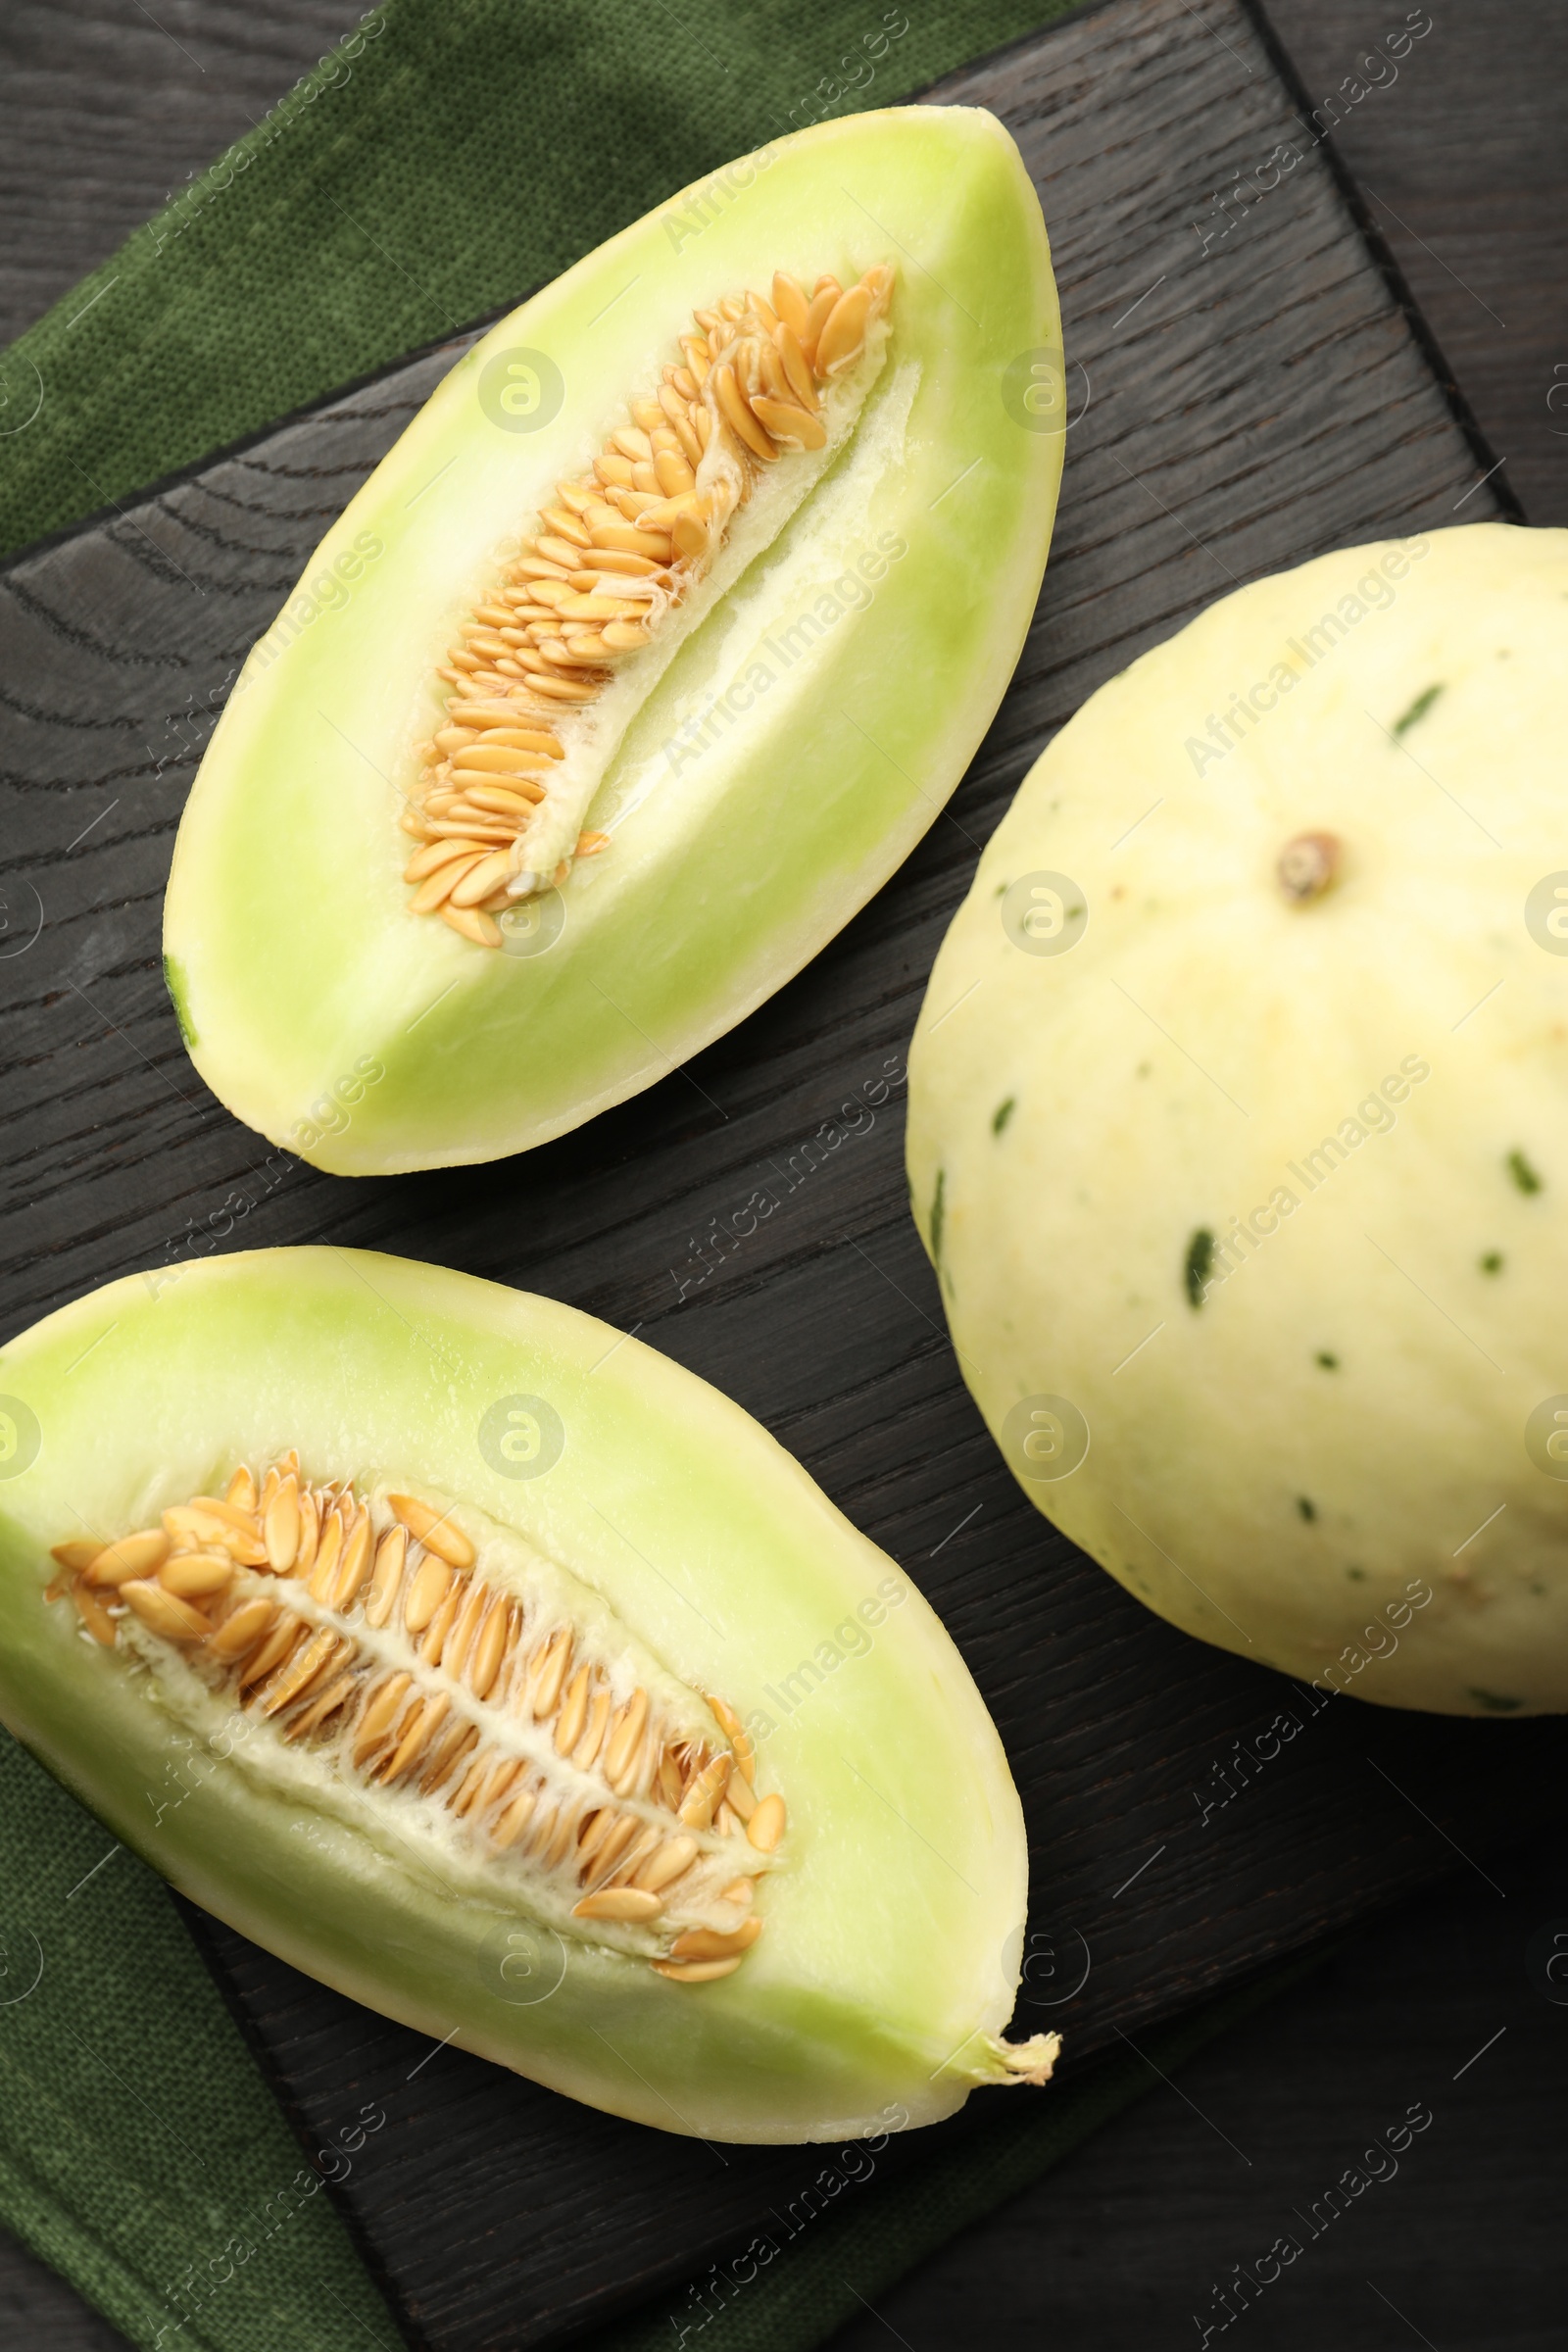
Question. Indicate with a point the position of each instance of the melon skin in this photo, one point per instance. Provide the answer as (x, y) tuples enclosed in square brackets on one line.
[(887, 617), (893, 1920), (1338, 1454)]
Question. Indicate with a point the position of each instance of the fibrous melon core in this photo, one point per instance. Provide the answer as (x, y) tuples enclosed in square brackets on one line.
[(452, 1690), (555, 659)]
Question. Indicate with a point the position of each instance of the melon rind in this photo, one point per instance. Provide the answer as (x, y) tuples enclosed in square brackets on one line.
[(893, 1919), (1177, 1065), (293, 957)]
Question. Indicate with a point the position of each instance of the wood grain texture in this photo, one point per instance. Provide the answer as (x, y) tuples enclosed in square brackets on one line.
[(136, 102), (1456, 2242), (1463, 167), (1235, 410), (105, 111)]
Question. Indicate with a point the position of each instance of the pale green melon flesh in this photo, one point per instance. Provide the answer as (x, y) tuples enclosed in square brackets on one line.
[(293, 957), (894, 1917), (1340, 1426)]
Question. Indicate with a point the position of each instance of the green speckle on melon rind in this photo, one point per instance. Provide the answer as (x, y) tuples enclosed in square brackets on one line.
[(1197, 1265), (174, 982), (1416, 710)]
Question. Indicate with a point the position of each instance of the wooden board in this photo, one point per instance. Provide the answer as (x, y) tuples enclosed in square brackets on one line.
[(1240, 402)]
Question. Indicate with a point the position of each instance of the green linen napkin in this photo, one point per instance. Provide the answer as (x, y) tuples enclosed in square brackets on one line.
[(141, 2152), (445, 161), (448, 157), (143, 2156)]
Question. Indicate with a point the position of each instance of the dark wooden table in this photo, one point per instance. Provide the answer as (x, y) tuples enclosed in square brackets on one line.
[(1462, 163)]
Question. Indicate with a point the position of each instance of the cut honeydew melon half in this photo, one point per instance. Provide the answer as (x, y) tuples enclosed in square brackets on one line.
[(641, 661), (492, 1668)]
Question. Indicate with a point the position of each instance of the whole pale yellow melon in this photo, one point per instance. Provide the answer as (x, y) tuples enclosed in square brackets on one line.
[(1238, 1125)]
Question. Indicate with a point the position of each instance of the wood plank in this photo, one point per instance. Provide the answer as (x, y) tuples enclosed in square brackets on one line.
[(1462, 165), (1127, 2247), (1239, 409)]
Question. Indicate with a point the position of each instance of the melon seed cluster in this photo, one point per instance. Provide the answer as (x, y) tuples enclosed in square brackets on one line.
[(602, 569), (368, 1636)]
